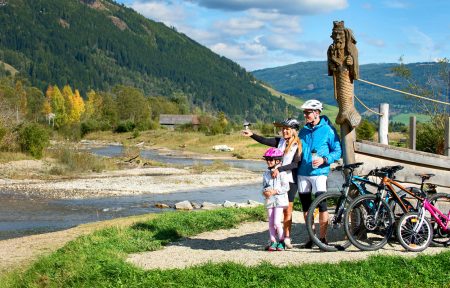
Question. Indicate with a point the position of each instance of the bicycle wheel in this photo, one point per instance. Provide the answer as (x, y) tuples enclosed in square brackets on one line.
[(368, 222), (441, 201), (335, 232), (414, 238)]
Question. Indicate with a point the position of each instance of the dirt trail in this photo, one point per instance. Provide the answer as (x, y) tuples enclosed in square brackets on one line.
[(245, 244)]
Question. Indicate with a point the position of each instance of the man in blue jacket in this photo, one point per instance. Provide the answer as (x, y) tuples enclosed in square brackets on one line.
[(319, 139)]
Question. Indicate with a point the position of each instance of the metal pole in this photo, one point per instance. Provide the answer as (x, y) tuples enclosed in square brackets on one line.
[(412, 132), (447, 137), (383, 127)]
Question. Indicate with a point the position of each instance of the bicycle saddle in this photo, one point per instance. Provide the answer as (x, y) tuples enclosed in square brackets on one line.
[(425, 176), (348, 166)]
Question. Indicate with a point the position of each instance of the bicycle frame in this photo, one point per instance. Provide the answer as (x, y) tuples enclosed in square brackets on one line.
[(357, 180), (433, 211), (389, 183)]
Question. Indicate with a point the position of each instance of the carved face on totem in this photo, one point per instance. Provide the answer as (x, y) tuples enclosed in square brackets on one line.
[(338, 36)]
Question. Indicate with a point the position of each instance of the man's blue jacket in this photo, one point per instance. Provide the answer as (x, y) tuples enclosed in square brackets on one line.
[(324, 139)]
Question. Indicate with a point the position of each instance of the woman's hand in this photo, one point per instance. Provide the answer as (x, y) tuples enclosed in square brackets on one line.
[(275, 173), (247, 132)]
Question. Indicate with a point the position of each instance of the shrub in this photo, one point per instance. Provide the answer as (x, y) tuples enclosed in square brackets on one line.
[(77, 161), (33, 139), (125, 126), (72, 132), (430, 138), (365, 130), (267, 129)]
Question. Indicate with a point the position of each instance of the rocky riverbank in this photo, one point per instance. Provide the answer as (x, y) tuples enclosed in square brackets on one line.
[(127, 182)]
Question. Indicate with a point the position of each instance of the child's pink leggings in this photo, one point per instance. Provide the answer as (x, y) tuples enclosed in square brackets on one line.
[(275, 227)]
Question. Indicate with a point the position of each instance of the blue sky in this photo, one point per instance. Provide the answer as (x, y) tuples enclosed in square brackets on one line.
[(261, 34)]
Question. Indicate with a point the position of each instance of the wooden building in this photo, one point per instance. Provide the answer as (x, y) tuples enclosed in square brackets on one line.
[(171, 120)]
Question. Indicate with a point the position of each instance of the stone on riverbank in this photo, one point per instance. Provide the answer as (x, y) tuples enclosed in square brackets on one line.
[(184, 205), (210, 206), (229, 204)]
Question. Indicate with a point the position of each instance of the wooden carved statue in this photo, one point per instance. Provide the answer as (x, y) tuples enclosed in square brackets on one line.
[(343, 66)]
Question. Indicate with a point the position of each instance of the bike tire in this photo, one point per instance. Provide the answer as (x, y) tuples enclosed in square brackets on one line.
[(364, 230), (336, 237), (441, 201), (410, 240)]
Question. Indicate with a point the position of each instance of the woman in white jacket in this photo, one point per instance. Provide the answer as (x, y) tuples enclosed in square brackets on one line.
[(291, 146)]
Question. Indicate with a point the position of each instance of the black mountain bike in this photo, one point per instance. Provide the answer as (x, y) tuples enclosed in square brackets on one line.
[(337, 202)]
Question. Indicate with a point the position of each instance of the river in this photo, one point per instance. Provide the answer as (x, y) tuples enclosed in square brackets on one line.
[(22, 215)]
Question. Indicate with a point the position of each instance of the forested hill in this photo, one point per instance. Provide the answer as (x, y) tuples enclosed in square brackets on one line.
[(96, 44), (308, 80)]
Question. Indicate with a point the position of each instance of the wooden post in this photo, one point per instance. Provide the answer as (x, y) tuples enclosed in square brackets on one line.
[(348, 138), (383, 126), (447, 137), (412, 132)]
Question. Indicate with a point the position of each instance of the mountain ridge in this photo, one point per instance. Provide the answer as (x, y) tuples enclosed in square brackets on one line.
[(96, 44), (310, 79)]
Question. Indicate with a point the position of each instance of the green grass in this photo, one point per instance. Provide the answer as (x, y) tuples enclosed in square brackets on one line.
[(13, 156), (404, 118), (216, 165), (97, 260), (75, 161)]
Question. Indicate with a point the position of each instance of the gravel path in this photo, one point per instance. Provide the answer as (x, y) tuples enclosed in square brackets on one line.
[(245, 245)]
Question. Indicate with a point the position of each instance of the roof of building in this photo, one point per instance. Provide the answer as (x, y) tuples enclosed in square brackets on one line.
[(175, 119)]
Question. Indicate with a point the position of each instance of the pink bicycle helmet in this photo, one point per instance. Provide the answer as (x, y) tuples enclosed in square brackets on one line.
[(273, 152)]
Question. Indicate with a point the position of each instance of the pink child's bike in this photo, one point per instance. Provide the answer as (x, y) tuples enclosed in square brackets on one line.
[(416, 230)]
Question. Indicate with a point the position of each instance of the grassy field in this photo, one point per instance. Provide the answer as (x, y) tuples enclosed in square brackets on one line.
[(97, 260), (244, 147), (13, 156), (404, 118)]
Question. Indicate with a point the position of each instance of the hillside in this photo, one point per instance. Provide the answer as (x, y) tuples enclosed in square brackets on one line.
[(307, 80), (330, 110), (96, 44)]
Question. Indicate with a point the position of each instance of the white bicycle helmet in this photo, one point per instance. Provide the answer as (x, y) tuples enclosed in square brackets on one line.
[(313, 105)]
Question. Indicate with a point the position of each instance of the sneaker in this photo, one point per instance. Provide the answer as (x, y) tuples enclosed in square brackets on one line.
[(273, 246), (308, 245), (287, 243), (281, 246), (324, 241)]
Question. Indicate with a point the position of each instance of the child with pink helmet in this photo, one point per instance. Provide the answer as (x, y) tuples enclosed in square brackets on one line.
[(276, 199)]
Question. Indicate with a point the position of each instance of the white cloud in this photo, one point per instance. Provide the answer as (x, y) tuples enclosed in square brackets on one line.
[(239, 26), (168, 13), (305, 7), (283, 42)]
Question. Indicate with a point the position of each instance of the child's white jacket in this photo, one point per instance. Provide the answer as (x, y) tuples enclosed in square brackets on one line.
[(280, 184)]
